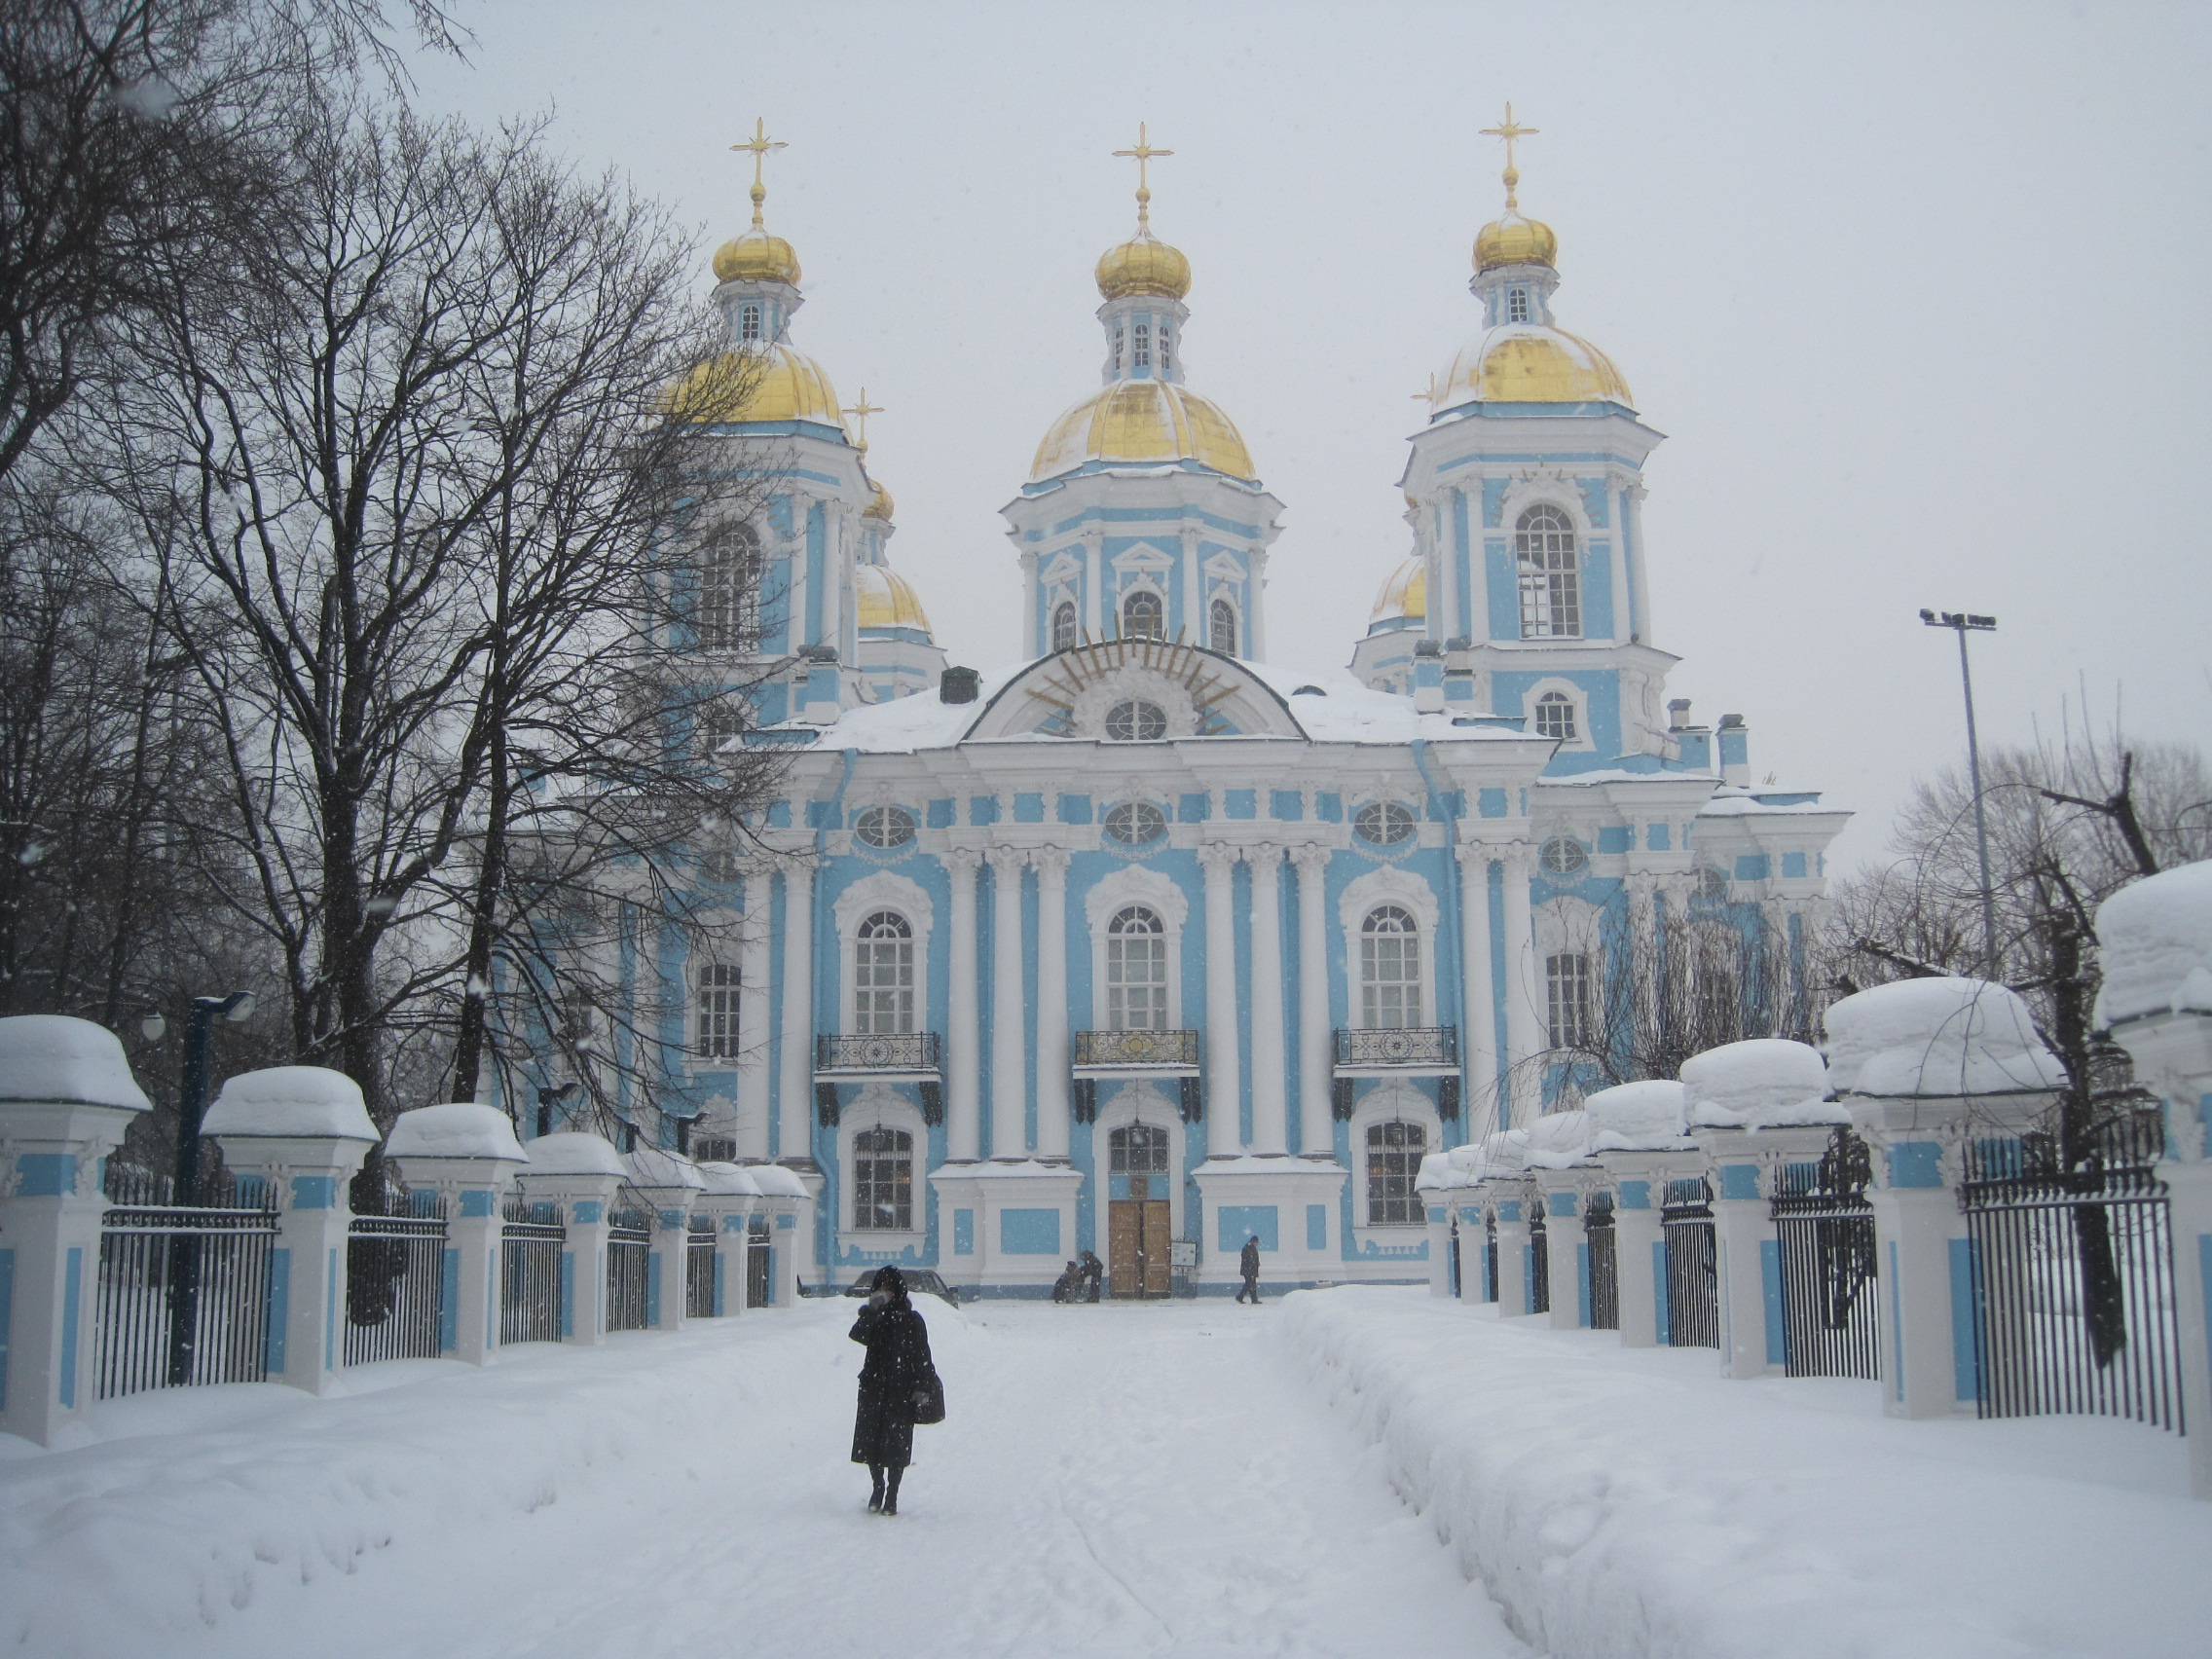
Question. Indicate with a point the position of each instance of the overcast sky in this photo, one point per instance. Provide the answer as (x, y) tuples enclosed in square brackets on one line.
[(1915, 291)]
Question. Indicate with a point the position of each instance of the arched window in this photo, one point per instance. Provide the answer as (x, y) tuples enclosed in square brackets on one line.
[(1141, 1149), (1142, 617), (1136, 722), (1136, 971), (1516, 304), (1116, 349), (729, 588), (1555, 716), (883, 1181), (1063, 627), (717, 1012), (1166, 362), (1390, 970), (1141, 358), (1551, 583), (883, 975), (1566, 997), (749, 320), (1221, 630), (1394, 1150)]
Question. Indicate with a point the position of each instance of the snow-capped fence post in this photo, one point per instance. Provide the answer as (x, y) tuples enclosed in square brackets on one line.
[(467, 1155), (1438, 1186), (1508, 1199), (304, 1130), (578, 1174), (66, 1097), (2155, 943), (1919, 1064), (1637, 1137), (1553, 1152), (728, 1203), (670, 1184), (789, 1209)]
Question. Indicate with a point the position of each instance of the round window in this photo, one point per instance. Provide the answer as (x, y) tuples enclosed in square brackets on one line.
[(1383, 822), (1711, 884), (1562, 855), (885, 826), (1135, 823), (1136, 722)]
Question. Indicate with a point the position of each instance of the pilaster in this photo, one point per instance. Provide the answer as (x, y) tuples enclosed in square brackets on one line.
[(1224, 1071), (1010, 1077), (1052, 867), (1310, 1126), (962, 1039), (1269, 1100)]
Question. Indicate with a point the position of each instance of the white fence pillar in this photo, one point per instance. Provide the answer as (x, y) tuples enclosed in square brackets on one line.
[(1508, 1207), (467, 1155), (580, 1174), (1567, 1249), (1639, 1236), (727, 1203)]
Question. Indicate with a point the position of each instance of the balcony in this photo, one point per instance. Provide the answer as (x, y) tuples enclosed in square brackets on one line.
[(895, 1057), (1417, 1051), (1136, 1054)]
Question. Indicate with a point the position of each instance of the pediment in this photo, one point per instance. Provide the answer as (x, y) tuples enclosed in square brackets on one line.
[(1200, 693)]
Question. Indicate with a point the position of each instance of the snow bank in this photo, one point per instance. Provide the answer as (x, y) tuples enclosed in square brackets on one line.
[(1756, 1084), (649, 1166), (728, 1181), (1631, 1504), (1637, 1116), (462, 1129), (2154, 940), (1938, 1037), (1505, 1153), (777, 1182), (51, 1056), (291, 1101), (574, 1152), (1556, 1140)]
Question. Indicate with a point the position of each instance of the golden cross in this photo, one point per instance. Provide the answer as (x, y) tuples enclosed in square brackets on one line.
[(859, 412), (761, 144), (1143, 154), (1430, 395), (1509, 130)]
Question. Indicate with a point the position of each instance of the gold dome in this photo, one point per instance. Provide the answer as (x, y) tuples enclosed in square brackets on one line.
[(790, 387), (1404, 595), (756, 257), (1142, 420), (880, 506), (886, 601), (1515, 241), (1143, 265), (1531, 364)]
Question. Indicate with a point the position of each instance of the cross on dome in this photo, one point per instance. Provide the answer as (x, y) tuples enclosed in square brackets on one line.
[(1142, 155), (761, 144), (859, 412), (1509, 130)]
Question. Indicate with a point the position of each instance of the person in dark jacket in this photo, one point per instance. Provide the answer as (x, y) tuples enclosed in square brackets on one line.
[(898, 1364), (1093, 1271), (1248, 1264)]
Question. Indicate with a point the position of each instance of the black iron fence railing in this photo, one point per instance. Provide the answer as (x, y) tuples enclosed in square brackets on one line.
[(1136, 1048), (883, 1051), (629, 1267), (183, 1297), (699, 1267), (1539, 1258), (530, 1240), (1692, 1314), (1824, 1225), (1604, 1264), (394, 1287), (1398, 1046)]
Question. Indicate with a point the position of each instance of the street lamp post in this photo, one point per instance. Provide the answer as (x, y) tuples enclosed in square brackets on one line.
[(1963, 623), (192, 1108)]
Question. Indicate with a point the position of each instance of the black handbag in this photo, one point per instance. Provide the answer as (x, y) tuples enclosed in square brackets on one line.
[(929, 1398)]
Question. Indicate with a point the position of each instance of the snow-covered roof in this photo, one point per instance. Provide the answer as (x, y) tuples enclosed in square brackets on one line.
[(1759, 1084), (1638, 1116), (1939, 1037), (574, 1152), (1727, 805), (649, 1166), (1557, 1140), (460, 1128), (53, 1056), (2156, 941), (303, 1101)]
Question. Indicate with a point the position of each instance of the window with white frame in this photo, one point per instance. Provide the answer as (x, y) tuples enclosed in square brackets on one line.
[(1116, 348), (883, 975), (1221, 627), (729, 588), (883, 1181), (1551, 581), (1136, 720), (1564, 854), (1383, 822), (1063, 627), (1135, 823), (1138, 1149), (884, 828), (1555, 716), (1390, 970), (1394, 1150), (1136, 971), (1143, 616), (1516, 304), (1567, 998), (1166, 362), (749, 320), (716, 1016), (1142, 356)]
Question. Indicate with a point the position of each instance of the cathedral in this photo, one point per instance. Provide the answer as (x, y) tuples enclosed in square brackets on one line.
[(1152, 946)]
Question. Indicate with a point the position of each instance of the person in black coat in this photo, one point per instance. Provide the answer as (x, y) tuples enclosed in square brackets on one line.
[(1248, 1264), (898, 1364)]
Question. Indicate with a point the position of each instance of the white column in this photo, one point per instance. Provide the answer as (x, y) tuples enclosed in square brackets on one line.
[(1198, 630), (1268, 1088), (1093, 583), (1009, 1075), (1223, 1076), (962, 1043), (1052, 864), (1478, 1034), (1523, 986), (794, 1093), (755, 1086), (1313, 1032), (1514, 1261)]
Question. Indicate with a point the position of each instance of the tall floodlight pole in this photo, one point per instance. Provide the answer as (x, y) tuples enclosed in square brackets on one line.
[(1962, 623)]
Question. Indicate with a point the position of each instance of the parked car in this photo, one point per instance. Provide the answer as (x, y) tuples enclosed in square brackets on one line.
[(920, 1281)]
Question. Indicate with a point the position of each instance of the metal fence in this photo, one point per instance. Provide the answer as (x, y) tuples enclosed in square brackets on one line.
[(1398, 1046), (1830, 1298), (1539, 1258), (394, 1287), (2074, 1290), (184, 1288), (530, 1274), (1136, 1048), (1604, 1264), (1693, 1299), (699, 1267), (629, 1256), (883, 1051)]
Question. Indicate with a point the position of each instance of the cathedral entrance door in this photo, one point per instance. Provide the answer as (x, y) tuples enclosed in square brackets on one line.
[(1137, 1230)]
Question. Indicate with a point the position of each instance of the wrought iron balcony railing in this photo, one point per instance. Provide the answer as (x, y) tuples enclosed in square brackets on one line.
[(879, 1052), (1399, 1046), (1136, 1048)]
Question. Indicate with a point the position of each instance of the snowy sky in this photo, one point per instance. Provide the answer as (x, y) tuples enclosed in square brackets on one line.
[(1906, 285)]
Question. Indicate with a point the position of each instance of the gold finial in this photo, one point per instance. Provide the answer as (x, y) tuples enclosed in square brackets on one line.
[(761, 144), (1144, 152), (859, 412), (1509, 132)]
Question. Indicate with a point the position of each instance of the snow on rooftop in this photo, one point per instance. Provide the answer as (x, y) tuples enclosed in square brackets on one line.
[(729, 1181), (304, 1101), (2156, 945), (1723, 805), (1939, 1037), (1557, 1140), (649, 1166), (1637, 1116), (53, 1056), (574, 1152), (460, 1128), (1759, 1084)]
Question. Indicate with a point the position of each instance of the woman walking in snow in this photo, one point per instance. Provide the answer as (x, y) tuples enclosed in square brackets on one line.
[(898, 1380)]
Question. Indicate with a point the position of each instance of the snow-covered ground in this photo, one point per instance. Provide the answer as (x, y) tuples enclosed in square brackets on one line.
[(1112, 1480)]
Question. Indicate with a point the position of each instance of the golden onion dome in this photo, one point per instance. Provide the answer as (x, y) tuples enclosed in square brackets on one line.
[(1142, 420), (1524, 362), (756, 256), (1143, 265), (1404, 595), (1512, 239), (886, 601), (880, 506), (765, 382)]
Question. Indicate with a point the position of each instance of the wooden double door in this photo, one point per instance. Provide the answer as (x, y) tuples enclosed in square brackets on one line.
[(1138, 1254)]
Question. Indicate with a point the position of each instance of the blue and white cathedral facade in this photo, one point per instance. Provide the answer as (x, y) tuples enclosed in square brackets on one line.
[(1149, 946)]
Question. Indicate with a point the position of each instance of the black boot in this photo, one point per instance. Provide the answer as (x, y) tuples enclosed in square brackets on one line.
[(875, 1498), (891, 1492)]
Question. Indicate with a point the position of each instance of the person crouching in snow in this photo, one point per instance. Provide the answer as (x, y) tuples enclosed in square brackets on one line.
[(1248, 1264), (896, 1369)]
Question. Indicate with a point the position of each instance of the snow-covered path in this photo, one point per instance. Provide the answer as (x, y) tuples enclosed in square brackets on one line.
[(1112, 1479)]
